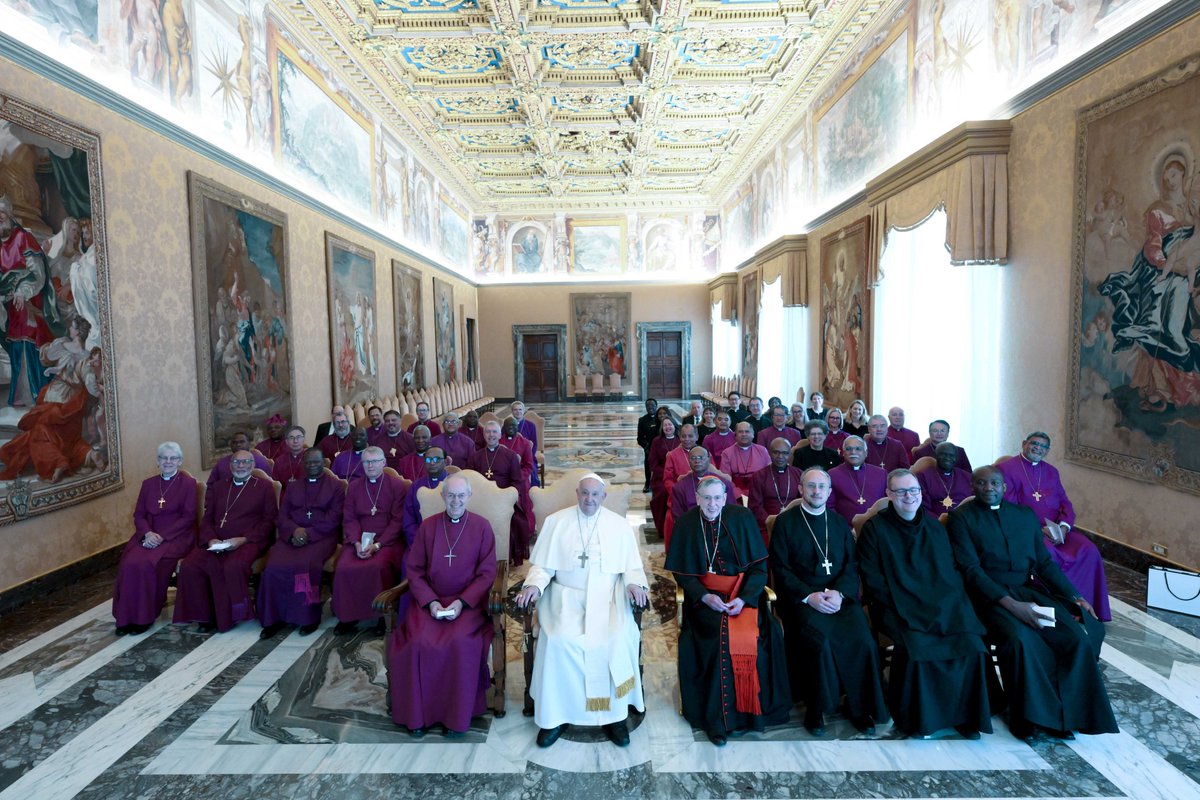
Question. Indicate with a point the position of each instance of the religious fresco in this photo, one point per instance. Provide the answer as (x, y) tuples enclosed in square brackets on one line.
[(748, 324), (600, 325), (240, 271), (444, 332), (845, 370), (354, 343), (56, 367), (410, 327), (709, 242), (318, 134), (856, 133), (739, 226), (528, 249), (666, 247), (597, 245), (1134, 404), (453, 237), (234, 82)]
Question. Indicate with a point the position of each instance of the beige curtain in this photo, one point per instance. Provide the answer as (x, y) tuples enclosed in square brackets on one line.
[(723, 291), (787, 258)]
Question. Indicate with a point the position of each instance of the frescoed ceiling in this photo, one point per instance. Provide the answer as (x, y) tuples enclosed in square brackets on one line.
[(588, 104)]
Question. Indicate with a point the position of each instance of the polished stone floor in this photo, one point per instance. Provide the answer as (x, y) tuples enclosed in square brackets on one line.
[(175, 712)]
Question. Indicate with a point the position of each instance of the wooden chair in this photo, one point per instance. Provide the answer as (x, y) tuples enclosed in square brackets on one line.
[(496, 506), (406, 420), (539, 456), (547, 500), (614, 385), (923, 464), (1000, 460), (489, 416), (580, 386), (257, 567), (597, 386), (861, 519)]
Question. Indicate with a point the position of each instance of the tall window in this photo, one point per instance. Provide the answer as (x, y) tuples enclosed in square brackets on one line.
[(937, 343), (726, 345), (771, 344)]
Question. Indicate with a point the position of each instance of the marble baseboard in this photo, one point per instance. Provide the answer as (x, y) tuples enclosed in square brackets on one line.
[(61, 578)]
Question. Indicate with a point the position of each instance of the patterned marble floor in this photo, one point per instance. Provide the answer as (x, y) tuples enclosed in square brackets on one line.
[(175, 712)]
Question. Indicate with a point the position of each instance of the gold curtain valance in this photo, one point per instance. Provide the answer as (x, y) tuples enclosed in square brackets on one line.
[(965, 171), (786, 258), (722, 290)]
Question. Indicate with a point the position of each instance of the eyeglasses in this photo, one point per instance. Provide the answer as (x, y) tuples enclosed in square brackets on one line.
[(432, 459), (241, 461), (374, 461), (1037, 445), (913, 492)]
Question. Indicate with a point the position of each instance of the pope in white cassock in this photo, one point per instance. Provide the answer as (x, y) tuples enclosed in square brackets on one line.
[(587, 565)]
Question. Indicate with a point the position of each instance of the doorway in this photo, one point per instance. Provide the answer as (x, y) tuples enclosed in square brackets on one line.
[(540, 368), (664, 350)]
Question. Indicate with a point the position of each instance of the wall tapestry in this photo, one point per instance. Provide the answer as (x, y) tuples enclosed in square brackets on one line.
[(845, 315), (749, 324), (410, 340), (600, 327), (354, 344), (443, 331)]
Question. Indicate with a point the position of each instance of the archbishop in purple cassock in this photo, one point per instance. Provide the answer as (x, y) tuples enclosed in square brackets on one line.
[(437, 668), (503, 467), (855, 489), (374, 505), (166, 507), (942, 491), (310, 521), (214, 586), (1031, 481)]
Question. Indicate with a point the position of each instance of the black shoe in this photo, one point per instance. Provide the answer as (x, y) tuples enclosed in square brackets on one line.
[(967, 731), (646, 489), (416, 733), (864, 724), (380, 628), (453, 735), (205, 627), (719, 739), (1022, 731), (136, 630), (548, 736), (1066, 736), (122, 630), (305, 630), (343, 628), (814, 722), (270, 630), (618, 733)]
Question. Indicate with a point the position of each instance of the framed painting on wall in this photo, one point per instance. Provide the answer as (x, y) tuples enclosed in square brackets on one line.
[(59, 428), (750, 285), (443, 331), (410, 338), (1133, 404), (240, 273), (352, 313), (597, 245), (600, 328), (845, 315)]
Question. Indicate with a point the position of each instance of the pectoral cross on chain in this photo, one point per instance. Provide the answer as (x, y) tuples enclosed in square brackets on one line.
[(1037, 496), (450, 559), (223, 520), (583, 559), (308, 514), (161, 503), (828, 565)]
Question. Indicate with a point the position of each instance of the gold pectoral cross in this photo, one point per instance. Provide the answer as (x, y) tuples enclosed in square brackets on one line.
[(161, 503), (488, 474), (947, 502)]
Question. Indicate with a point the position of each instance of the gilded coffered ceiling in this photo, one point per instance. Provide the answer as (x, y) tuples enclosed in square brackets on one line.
[(588, 104)]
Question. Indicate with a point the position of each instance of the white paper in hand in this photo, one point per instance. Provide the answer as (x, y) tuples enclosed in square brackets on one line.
[(1047, 611), (368, 539), (218, 545)]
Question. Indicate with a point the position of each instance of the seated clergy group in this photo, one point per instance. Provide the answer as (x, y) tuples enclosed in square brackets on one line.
[(765, 509)]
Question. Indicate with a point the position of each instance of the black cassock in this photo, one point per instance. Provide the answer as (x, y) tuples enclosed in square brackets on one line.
[(706, 678), (938, 677), (828, 654), (1050, 675)]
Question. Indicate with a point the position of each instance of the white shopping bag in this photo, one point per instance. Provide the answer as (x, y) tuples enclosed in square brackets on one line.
[(1173, 590)]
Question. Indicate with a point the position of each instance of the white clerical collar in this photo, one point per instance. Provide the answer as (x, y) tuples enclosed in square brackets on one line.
[(743, 448), (856, 469), (167, 477), (242, 483), (373, 480), (312, 480), (995, 507), (454, 520), (810, 509), (781, 471)]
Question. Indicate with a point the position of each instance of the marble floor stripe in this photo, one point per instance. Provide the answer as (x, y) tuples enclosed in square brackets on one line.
[(74, 765), (31, 647)]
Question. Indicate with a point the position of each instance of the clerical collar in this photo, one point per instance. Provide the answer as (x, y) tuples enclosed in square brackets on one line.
[(744, 446), (810, 509), (236, 482), (995, 507), (856, 469), (373, 480), (312, 480), (1031, 463), (781, 471), (454, 520), (167, 477)]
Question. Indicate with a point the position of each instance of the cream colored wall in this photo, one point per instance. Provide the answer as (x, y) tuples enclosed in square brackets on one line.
[(501, 307), (145, 193), (1037, 304)]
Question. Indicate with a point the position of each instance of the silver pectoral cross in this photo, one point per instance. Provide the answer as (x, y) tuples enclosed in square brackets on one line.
[(308, 514), (583, 559), (828, 565), (450, 559)]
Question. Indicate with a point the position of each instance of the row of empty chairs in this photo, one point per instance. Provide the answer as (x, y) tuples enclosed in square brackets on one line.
[(594, 386), (442, 399), (722, 386)]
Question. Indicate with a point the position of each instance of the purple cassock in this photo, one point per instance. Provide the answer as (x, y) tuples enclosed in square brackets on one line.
[(1039, 487), (927, 450), (742, 462), (503, 467), (396, 447), (376, 507), (437, 669), (683, 495), (937, 487), (770, 434), (529, 431), (522, 447), (347, 465), (657, 461), (855, 490), (145, 572), (475, 433), (835, 439), (332, 444), (289, 468), (434, 428), (716, 443), (770, 492), (411, 518), (221, 472), (290, 589), (887, 456), (908, 439), (272, 448), (214, 587), (412, 466), (374, 434), (458, 447)]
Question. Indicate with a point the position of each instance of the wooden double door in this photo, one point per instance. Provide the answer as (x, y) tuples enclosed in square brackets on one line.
[(539, 352), (664, 364)]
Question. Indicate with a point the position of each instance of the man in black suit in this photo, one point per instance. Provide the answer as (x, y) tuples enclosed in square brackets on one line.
[(646, 431)]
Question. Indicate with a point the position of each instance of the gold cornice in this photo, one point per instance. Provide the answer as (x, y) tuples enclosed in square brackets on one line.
[(983, 137)]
